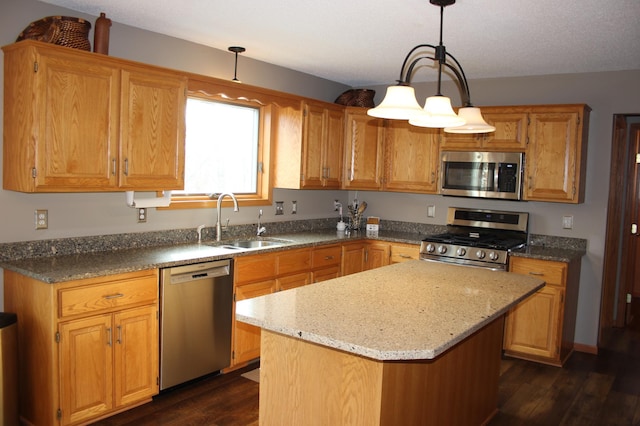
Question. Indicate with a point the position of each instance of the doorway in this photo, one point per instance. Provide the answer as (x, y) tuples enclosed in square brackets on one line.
[(621, 277)]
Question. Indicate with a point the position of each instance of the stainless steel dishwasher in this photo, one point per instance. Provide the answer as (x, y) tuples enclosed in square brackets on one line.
[(195, 320)]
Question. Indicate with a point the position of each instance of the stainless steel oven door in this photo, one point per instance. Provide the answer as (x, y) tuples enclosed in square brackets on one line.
[(464, 262)]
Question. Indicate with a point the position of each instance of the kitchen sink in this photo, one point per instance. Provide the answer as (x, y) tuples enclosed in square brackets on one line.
[(253, 244)]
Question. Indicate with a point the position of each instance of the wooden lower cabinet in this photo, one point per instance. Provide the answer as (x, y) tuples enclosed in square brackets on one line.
[(88, 348), (542, 327), (261, 274), (403, 252), (364, 255), (325, 263), (105, 362), (246, 337)]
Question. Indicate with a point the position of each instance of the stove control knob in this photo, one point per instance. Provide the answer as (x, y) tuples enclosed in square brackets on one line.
[(461, 251), (431, 248), (442, 249), (480, 254), (493, 255)]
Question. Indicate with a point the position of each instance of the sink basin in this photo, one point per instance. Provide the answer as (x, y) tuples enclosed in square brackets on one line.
[(249, 244), (253, 244)]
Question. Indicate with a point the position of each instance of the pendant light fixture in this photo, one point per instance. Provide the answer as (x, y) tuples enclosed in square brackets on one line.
[(400, 101), (236, 50)]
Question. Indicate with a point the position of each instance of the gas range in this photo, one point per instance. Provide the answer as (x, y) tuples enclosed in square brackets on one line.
[(481, 238)]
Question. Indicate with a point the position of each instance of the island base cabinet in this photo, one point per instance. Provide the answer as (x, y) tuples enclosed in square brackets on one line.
[(306, 383)]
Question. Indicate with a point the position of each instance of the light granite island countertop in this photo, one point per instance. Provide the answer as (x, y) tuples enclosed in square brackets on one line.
[(411, 343)]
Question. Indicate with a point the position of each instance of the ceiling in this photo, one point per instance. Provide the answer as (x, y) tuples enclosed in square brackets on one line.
[(363, 42)]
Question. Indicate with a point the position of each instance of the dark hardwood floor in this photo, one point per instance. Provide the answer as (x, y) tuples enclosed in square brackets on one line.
[(588, 390)]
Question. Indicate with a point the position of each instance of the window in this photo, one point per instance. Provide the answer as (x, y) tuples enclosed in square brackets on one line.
[(226, 150)]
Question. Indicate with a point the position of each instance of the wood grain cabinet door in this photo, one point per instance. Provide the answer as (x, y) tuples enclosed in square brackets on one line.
[(152, 130), (363, 142), (533, 327), (333, 148), (553, 157), (246, 337), (313, 140), (411, 158), (136, 354), (77, 112), (86, 360)]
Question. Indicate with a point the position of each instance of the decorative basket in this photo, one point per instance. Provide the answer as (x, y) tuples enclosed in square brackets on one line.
[(357, 97), (60, 30)]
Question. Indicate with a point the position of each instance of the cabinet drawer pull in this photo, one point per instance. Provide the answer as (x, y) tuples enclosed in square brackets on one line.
[(126, 167), (114, 296), (113, 167), (109, 336), (119, 340), (537, 274), (328, 258), (405, 256)]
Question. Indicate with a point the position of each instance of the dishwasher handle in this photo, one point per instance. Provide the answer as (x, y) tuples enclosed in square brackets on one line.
[(184, 274)]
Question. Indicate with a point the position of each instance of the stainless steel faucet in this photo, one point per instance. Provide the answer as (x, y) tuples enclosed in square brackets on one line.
[(235, 209), (261, 229)]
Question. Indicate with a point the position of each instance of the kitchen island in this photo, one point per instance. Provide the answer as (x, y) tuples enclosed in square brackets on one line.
[(414, 343)]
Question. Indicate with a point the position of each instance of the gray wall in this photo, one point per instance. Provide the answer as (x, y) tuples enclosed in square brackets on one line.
[(94, 214)]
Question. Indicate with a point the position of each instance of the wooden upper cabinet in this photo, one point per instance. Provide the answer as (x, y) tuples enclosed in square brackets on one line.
[(309, 146), (510, 133), (322, 145), (411, 157), (153, 130), (556, 154), (364, 155), (80, 122)]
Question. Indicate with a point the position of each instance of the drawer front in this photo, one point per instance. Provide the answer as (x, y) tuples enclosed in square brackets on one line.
[(254, 268), (403, 253), (553, 273), (294, 261), (106, 296), (326, 256)]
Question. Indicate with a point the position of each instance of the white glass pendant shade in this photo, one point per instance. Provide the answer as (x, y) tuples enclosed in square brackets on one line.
[(437, 113), (399, 103), (474, 122)]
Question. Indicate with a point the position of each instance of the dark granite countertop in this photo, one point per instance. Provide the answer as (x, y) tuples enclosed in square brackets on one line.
[(54, 269), (68, 267), (550, 253)]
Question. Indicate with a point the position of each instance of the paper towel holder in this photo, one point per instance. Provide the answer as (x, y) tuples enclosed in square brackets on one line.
[(163, 201)]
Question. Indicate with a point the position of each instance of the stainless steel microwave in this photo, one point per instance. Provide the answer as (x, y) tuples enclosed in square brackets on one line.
[(482, 174)]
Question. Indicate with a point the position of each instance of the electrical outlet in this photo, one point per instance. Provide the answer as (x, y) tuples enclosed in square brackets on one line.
[(431, 211), (294, 207), (279, 207), (42, 219), (142, 215), (567, 222)]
